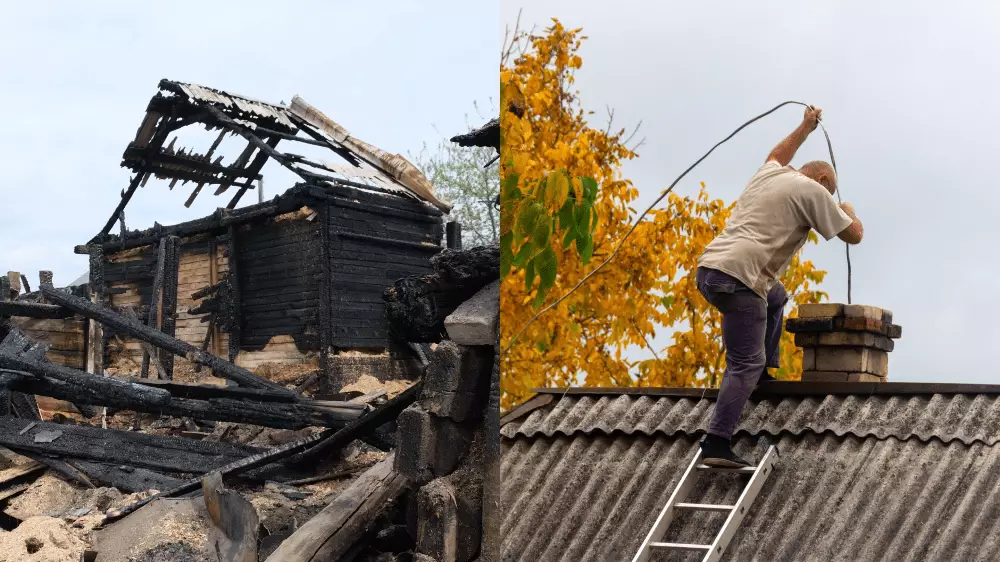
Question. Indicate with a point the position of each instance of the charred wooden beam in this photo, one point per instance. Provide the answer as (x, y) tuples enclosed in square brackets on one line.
[(453, 231), (95, 333), (154, 145), (255, 167), (173, 454), (280, 415), (111, 388), (207, 291), (308, 129), (211, 391), (33, 310), (247, 134), (159, 339), (126, 478), (189, 163), (233, 318), (189, 175), (171, 274), (240, 166), (330, 441), (286, 136), (207, 306), (154, 304), (149, 354)]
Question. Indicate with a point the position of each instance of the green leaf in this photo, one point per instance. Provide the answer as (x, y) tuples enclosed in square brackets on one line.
[(586, 249), (546, 266), (527, 218), (542, 233), (667, 301), (569, 237), (566, 215), (583, 218), (589, 188), (508, 189), (525, 254), (539, 299), (506, 253), (529, 275)]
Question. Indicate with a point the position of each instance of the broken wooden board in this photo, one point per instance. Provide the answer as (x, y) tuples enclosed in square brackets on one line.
[(172, 454), (334, 530), (236, 521)]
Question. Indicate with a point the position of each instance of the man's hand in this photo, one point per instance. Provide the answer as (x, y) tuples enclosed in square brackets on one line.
[(786, 149), (856, 231), (812, 118)]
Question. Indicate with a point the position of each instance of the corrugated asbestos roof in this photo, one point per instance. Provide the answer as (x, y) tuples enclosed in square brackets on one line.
[(961, 417), (859, 478)]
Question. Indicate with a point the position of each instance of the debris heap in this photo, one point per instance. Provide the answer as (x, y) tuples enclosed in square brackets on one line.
[(844, 342)]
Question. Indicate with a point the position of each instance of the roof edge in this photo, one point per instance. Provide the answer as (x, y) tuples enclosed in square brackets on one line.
[(789, 388)]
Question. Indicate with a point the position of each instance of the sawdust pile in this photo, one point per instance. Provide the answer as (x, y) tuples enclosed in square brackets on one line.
[(41, 539), (287, 373), (367, 383)]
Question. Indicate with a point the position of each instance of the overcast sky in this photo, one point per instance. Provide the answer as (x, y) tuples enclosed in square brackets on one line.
[(908, 91), (75, 81)]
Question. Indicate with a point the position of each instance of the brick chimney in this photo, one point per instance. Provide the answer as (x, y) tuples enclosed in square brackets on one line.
[(844, 342)]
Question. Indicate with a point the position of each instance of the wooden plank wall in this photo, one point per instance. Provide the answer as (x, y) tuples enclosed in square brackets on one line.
[(280, 276), (133, 270), (362, 267), (66, 338)]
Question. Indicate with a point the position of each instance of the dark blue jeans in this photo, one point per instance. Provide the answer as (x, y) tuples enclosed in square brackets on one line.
[(751, 332)]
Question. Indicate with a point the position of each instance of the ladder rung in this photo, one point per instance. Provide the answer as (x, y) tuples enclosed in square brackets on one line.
[(744, 470), (706, 506), (681, 546)]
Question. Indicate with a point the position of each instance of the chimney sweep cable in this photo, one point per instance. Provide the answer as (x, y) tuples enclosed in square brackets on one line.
[(593, 272)]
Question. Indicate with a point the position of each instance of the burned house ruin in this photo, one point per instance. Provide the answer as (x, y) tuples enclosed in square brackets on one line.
[(115, 433), (295, 278)]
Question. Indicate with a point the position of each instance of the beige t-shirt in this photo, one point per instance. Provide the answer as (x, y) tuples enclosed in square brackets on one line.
[(770, 223)]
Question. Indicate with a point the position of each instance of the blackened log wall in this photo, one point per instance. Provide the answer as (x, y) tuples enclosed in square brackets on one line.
[(280, 273), (374, 239)]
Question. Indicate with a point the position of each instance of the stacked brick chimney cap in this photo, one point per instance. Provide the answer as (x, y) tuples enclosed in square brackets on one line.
[(844, 342)]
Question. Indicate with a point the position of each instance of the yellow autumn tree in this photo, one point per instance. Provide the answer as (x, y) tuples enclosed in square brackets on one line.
[(565, 207)]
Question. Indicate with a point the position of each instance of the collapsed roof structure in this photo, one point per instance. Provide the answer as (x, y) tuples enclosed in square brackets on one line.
[(178, 105)]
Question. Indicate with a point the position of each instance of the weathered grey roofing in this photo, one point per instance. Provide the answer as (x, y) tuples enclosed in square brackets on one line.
[(868, 476)]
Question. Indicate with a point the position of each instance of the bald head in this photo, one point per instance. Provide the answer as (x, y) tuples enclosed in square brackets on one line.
[(822, 173)]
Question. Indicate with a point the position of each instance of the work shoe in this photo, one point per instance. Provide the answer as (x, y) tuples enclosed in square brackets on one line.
[(715, 451)]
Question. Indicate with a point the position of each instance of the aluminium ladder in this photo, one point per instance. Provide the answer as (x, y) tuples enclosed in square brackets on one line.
[(713, 552)]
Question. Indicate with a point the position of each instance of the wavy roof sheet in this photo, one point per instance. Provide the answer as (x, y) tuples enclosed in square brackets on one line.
[(960, 417), (881, 477)]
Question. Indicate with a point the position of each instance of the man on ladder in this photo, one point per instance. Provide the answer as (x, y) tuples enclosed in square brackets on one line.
[(739, 272)]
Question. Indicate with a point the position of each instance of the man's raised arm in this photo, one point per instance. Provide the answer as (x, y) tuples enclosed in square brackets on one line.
[(786, 149)]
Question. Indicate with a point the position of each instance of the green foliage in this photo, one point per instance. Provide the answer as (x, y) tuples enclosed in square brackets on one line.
[(534, 226)]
